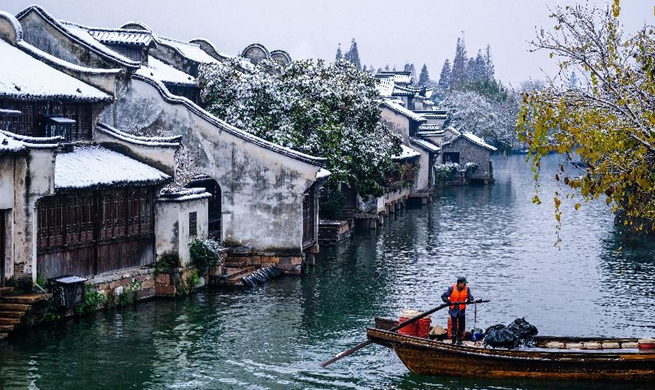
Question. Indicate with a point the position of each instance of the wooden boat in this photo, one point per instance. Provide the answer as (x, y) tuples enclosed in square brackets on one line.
[(554, 357)]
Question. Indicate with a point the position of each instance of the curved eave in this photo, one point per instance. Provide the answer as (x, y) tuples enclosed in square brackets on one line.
[(169, 142), (62, 29)]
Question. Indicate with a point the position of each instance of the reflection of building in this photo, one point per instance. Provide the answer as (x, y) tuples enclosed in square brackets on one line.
[(261, 194)]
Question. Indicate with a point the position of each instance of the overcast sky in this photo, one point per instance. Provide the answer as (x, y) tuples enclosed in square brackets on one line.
[(389, 32)]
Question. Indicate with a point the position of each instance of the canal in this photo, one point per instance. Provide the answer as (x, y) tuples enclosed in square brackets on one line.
[(274, 337)]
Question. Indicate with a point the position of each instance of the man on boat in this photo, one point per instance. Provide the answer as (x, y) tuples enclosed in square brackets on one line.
[(458, 292)]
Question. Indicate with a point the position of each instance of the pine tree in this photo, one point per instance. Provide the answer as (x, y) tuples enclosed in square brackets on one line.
[(444, 77), (352, 54), (410, 68), (489, 65), (458, 73), (339, 55), (424, 78), (478, 72)]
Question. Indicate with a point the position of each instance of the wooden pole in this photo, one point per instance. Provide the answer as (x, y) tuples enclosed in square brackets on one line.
[(359, 346)]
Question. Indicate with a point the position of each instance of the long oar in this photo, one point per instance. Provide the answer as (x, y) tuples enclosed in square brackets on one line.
[(395, 328)]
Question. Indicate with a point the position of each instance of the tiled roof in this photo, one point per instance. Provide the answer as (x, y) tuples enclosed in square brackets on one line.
[(189, 50), (406, 154), (24, 77), (77, 34), (165, 73), (479, 141), (429, 146), (429, 127), (82, 33), (95, 166), (120, 36), (401, 91), (397, 108)]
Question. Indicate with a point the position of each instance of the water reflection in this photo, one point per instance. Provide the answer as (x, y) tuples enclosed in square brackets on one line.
[(274, 337)]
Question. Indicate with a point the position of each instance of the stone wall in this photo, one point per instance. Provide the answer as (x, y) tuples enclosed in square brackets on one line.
[(471, 152), (172, 219)]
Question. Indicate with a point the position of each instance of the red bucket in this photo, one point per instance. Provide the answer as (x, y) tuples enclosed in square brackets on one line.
[(409, 330), (423, 327), (647, 343)]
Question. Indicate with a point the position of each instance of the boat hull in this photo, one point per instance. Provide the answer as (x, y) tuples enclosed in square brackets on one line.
[(423, 356)]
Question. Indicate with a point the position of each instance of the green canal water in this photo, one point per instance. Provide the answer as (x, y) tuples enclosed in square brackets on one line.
[(274, 337)]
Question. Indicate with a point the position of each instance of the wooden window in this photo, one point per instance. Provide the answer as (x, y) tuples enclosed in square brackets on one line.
[(193, 224), (451, 157), (308, 217)]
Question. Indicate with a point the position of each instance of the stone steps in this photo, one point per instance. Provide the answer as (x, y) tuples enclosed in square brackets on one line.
[(9, 321), (26, 299), (237, 273), (6, 290), (6, 328), (12, 313), (233, 276), (14, 307)]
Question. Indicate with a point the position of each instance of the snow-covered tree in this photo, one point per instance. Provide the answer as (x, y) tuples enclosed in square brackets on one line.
[(410, 68), (444, 77), (352, 54), (312, 107), (339, 55), (424, 77), (492, 120), (489, 64), (458, 72)]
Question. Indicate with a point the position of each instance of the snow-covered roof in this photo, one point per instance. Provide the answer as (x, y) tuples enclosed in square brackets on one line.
[(400, 77), (61, 120), (122, 36), (8, 145), (477, 140), (78, 34), (429, 146), (8, 112), (95, 166), (83, 33), (407, 153), (24, 77), (169, 141), (58, 63), (189, 50), (322, 173), (165, 73), (429, 127), (400, 91), (399, 109)]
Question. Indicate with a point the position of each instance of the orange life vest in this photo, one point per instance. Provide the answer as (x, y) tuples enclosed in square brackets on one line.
[(459, 296)]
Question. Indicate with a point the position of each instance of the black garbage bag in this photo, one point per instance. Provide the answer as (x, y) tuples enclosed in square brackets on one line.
[(500, 336), (494, 327), (524, 332)]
